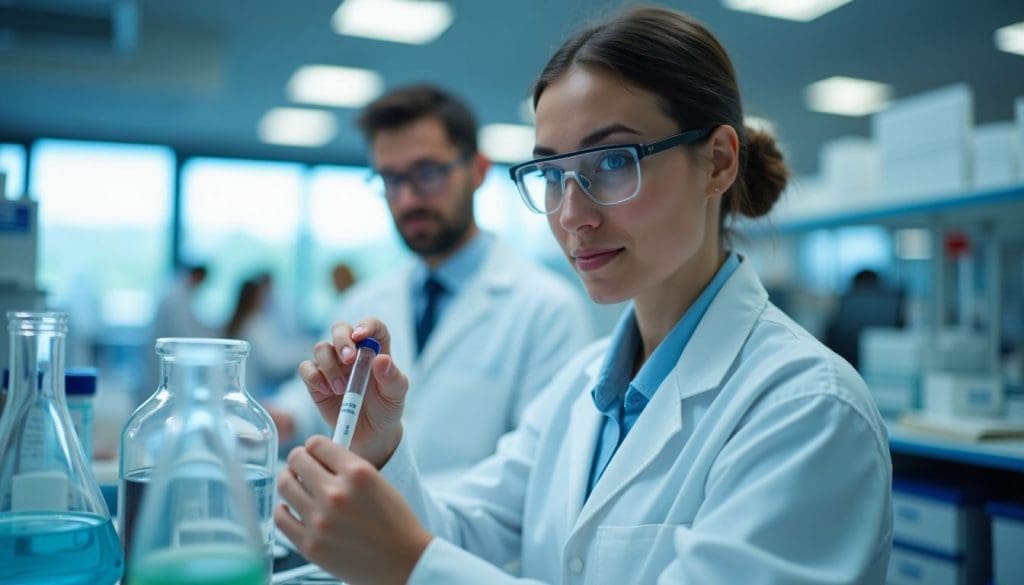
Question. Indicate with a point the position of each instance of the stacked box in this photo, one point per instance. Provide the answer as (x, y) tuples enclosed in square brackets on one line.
[(924, 143)]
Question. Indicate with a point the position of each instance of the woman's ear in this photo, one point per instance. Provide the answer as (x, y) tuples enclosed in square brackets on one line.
[(725, 160)]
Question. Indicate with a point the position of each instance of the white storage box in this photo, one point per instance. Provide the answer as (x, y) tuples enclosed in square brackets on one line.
[(849, 170), (962, 394), (995, 155), (924, 143), (893, 394), (945, 527), (913, 567), (1019, 109), (1007, 543), (937, 518), (891, 352)]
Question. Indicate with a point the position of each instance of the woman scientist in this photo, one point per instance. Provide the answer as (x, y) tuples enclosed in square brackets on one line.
[(709, 440)]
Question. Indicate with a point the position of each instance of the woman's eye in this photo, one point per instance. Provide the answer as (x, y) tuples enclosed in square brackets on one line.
[(612, 162)]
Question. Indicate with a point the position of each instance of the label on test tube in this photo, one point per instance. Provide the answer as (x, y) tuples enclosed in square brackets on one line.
[(352, 400), (350, 406)]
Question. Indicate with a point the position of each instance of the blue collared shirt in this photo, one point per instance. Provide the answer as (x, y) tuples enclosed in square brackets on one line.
[(453, 274), (620, 399)]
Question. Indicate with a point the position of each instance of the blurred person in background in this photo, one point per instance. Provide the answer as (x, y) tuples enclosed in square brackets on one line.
[(272, 351)]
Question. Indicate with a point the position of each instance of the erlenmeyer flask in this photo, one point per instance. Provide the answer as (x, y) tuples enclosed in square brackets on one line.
[(54, 525), (198, 520), (144, 434)]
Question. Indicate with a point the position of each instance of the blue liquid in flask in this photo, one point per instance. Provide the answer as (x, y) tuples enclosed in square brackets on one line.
[(58, 548)]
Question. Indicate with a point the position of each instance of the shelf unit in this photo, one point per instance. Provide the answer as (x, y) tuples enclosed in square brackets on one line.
[(993, 204), (1000, 454), (999, 213)]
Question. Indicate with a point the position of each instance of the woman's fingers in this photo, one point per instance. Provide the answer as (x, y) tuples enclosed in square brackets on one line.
[(392, 383), (327, 361), (294, 492), (344, 346), (314, 379), (289, 524), (375, 328), (332, 457), (310, 472)]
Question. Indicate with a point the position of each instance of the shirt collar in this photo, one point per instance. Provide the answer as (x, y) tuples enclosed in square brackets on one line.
[(455, 271), (614, 377)]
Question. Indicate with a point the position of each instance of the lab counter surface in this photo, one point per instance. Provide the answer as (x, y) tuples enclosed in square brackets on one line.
[(1006, 455)]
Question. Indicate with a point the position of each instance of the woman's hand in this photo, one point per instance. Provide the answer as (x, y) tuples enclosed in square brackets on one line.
[(351, 521), (379, 428)]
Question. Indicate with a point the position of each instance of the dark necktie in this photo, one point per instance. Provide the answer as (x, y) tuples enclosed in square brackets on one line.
[(433, 290)]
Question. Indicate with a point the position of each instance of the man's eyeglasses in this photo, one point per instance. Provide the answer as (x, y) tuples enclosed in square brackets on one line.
[(608, 175), (426, 178)]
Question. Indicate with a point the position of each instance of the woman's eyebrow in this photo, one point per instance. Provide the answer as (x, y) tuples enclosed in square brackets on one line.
[(590, 139)]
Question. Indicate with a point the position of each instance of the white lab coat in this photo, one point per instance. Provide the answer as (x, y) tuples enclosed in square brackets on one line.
[(498, 342), (761, 459)]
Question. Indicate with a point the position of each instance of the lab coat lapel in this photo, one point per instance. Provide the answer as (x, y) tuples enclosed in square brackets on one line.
[(660, 421), (469, 306), (585, 422), (398, 316), (705, 362)]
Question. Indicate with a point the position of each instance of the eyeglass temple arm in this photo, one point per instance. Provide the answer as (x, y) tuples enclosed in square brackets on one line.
[(684, 138)]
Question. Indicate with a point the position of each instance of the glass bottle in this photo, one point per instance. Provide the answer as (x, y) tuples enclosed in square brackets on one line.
[(145, 432), (54, 525), (197, 524)]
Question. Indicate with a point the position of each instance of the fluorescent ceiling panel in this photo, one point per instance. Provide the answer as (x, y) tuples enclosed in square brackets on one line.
[(797, 10), (1010, 38), (340, 87), (297, 127), (415, 22), (847, 96)]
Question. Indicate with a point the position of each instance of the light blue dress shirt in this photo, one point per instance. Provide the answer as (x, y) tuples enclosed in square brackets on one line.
[(620, 399), (453, 274)]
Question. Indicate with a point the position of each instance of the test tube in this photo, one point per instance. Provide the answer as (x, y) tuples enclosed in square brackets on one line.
[(352, 400)]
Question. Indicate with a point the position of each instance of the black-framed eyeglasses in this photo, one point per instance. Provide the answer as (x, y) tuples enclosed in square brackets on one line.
[(608, 175), (426, 178)]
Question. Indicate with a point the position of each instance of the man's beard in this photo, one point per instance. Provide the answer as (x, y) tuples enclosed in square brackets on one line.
[(449, 234)]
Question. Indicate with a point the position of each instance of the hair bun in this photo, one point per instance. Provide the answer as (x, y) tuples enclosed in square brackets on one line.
[(765, 174)]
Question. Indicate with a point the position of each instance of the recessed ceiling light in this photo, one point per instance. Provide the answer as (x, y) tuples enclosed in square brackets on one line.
[(847, 96), (798, 10), (297, 127), (328, 85), (1011, 38), (416, 22), (509, 143)]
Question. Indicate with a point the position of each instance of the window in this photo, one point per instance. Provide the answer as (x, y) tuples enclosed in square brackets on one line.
[(104, 220), (348, 223), (12, 165), (240, 217)]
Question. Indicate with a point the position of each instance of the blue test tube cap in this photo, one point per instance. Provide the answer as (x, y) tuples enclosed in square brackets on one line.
[(80, 381), (370, 343)]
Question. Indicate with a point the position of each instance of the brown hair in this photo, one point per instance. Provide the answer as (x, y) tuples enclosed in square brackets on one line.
[(679, 59), (408, 104)]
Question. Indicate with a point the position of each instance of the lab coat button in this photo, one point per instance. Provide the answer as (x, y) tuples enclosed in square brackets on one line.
[(576, 565)]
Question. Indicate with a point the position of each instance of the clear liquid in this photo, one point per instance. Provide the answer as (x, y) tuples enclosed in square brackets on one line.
[(261, 488), (193, 565), (58, 548)]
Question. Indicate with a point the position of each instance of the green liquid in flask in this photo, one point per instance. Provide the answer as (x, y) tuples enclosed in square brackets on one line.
[(199, 565)]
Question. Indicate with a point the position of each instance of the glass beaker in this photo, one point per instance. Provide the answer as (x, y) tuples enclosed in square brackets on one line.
[(197, 523), (54, 525), (145, 432)]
